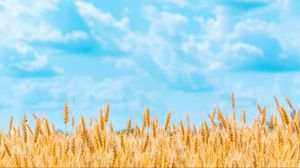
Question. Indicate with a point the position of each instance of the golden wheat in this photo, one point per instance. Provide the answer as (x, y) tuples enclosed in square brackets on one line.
[(224, 143)]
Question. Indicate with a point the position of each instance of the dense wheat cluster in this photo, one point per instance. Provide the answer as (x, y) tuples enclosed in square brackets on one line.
[(223, 142)]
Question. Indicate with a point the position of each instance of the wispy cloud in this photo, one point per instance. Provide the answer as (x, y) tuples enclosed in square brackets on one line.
[(22, 61)]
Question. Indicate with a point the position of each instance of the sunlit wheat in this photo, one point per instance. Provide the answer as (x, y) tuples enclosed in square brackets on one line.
[(265, 142)]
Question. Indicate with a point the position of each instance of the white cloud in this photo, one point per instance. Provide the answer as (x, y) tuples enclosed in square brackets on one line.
[(22, 61), (25, 21), (222, 38), (89, 12), (237, 49), (39, 62), (188, 45), (248, 26), (167, 22), (104, 27), (153, 50), (52, 34), (213, 28), (150, 47), (30, 7)]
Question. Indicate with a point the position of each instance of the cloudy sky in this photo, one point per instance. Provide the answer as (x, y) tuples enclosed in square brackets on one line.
[(186, 56)]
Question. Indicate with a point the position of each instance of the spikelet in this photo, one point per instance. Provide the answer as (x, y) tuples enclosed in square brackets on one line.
[(167, 122), (47, 127), (214, 112), (206, 129), (106, 113), (37, 129), (259, 108), (202, 131), (84, 135), (187, 119), (296, 128), (188, 137), (233, 107), (24, 125), (259, 143), (29, 128), (34, 116), (91, 121), (284, 115), (53, 127), (115, 153), (96, 142), (271, 123), (11, 120), (263, 114), (146, 117), (136, 131), (182, 129), (102, 122), (280, 138), (194, 130), (128, 127), (103, 139), (212, 120), (111, 128), (290, 104), (196, 144), (24, 118), (66, 113), (145, 145), (221, 119), (73, 146), (243, 118), (277, 102), (122, 143), (230, 133), (7, 149), (154, 129)]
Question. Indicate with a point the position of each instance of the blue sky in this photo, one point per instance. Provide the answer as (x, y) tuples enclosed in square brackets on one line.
[(186, 56)]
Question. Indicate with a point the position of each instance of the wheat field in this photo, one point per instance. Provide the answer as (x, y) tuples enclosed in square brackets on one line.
[(268, 141)]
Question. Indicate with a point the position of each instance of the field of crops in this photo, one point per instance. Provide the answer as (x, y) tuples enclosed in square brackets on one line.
[(223, 141)]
